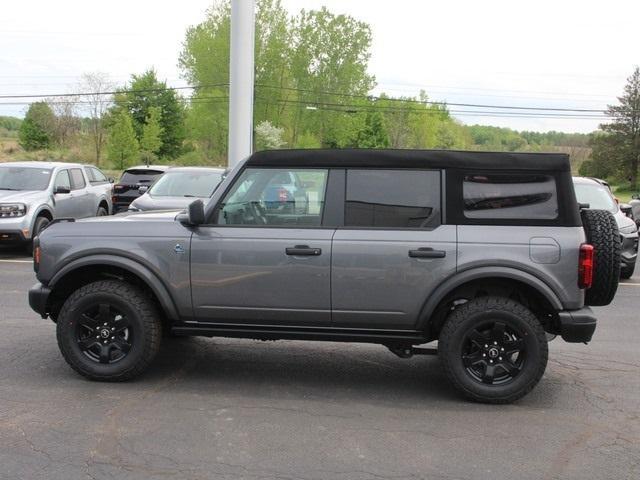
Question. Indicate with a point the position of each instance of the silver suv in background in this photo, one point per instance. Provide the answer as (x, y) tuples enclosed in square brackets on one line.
[(597, 195), (177, 188), (486, 253), (32, 194)]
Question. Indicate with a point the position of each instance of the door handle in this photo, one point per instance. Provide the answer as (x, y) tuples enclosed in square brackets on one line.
[(427, 252), (303, 250)]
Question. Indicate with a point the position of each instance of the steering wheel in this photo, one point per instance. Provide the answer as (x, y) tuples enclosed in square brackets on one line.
[(258, 213)]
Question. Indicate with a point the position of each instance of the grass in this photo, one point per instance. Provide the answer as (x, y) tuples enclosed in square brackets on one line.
[(623, 192)]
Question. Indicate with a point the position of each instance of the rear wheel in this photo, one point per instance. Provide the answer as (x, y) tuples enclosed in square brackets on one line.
[(109, 330), (493, 349)]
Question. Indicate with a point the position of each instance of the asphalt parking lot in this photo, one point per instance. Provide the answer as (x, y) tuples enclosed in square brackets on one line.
[(235, 409)]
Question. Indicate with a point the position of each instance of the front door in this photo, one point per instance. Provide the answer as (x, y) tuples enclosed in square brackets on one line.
[(266, 259), (63, 202), (392, 251)]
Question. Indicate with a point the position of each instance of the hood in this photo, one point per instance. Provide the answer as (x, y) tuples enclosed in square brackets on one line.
[(155, 216), (23, 196), (149, 202), (624, 222)]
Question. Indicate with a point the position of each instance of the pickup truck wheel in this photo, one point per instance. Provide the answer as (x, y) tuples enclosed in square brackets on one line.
[(109, 330), (493, 349), (40, 223), (102, 212)]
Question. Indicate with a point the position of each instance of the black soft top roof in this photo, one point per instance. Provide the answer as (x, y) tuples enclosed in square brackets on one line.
[(557, 162)]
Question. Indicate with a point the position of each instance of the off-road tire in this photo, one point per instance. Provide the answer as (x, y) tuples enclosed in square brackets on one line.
[(467, 318), (40, 223), (142, 314), (602, 232), (626, 272)]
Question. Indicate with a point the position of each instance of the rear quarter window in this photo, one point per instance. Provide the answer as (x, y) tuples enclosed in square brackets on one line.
[(509, 196)]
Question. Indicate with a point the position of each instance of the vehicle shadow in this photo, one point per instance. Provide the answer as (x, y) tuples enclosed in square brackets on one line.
[(13, 252), (320, 371)]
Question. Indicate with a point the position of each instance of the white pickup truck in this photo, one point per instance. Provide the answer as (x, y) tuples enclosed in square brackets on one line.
[(32, 194)]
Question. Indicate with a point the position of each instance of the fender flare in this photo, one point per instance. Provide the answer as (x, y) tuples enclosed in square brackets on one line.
[(42, 208), (151, 279), (484, 272)]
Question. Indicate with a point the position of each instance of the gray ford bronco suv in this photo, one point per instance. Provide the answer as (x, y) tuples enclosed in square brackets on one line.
[(488, 253)]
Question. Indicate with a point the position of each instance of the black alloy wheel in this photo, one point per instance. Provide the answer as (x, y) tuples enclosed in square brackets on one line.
[(103, 334), (494, 353)]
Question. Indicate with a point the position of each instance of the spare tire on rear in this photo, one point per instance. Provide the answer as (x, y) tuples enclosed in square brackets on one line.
[(602, 232)]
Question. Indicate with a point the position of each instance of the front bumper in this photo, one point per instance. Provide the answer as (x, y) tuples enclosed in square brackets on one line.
[(39, 298), (15, 230), (577, 326), (629, 252)]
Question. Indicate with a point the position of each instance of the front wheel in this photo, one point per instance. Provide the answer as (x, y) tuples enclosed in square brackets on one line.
[(493, 349), (109, 330)]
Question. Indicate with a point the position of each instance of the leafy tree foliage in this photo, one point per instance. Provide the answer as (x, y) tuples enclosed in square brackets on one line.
[(373, 135), (617, 148), (122, 145), (151, 140), (36, 130), (268, 136), (145, 92)]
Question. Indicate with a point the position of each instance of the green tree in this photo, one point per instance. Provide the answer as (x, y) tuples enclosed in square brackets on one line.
[(122, 145), (151, 140), (374, 135), (620, 144), (36, 130), (145, 92)]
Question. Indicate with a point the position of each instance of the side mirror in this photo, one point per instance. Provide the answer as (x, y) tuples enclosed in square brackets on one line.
[(194, 215), (626, 209), (111, 180), (143, 189), (61, 190)]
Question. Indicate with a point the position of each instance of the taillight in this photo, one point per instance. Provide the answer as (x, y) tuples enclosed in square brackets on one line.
[(585, 266)]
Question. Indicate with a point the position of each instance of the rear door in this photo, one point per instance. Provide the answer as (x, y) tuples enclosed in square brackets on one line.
[(84, 202), (393, 249), (265, 259)]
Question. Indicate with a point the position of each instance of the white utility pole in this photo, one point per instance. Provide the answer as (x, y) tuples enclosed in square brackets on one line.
[(241, 70)]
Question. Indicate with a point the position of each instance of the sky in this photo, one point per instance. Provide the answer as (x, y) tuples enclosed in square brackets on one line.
[(558, 54)]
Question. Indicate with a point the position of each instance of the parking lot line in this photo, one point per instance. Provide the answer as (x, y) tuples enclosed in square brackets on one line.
[(630, 284), (16, 261)]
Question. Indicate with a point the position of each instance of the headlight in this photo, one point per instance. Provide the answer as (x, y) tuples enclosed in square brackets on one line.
[(629, 229), (12, 210)]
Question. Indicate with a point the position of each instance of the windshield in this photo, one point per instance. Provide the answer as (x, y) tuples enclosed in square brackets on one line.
[(24, 178), (597, 196), (186, 184)]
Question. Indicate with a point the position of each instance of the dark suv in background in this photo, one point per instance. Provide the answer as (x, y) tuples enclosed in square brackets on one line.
[(129, 186), (486, 253)]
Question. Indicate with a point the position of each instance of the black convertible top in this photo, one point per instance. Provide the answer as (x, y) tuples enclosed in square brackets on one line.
[(547, 162)]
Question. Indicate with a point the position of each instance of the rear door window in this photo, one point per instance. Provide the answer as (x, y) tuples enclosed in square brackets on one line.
[(77, 179), (510, 196), (393, 198)]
